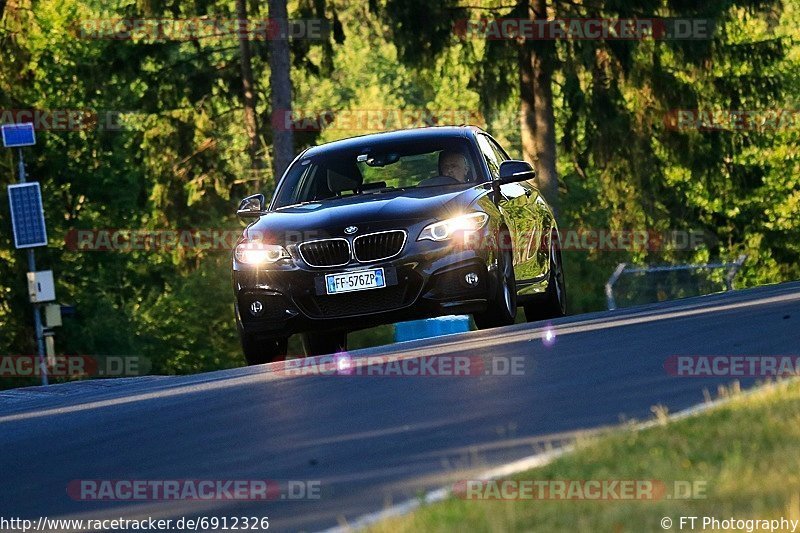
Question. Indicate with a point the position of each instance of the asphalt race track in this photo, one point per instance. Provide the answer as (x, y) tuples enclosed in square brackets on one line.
[(371, 440)]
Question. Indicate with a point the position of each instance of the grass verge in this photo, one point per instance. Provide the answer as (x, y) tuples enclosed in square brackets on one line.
[(745, 455)]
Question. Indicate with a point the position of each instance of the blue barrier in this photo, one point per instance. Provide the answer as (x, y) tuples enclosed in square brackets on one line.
[(431, 327)]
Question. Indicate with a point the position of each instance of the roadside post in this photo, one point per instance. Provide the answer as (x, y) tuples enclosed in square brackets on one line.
[(27, 220)]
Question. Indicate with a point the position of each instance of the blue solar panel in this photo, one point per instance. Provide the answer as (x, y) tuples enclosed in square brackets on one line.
[(27, 215), (18, 135)]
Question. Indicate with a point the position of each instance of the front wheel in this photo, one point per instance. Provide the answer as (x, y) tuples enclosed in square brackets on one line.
[(324, 343), (553, 303), (258, 351), (502, 307)]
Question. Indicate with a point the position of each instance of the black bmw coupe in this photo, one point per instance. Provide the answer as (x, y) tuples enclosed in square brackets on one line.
[(392, 227)]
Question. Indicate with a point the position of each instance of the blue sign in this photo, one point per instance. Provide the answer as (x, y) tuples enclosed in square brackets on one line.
[(15, 135), (27, 215)]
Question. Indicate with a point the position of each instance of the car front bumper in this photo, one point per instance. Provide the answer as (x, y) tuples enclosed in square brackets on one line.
[(426, 280)]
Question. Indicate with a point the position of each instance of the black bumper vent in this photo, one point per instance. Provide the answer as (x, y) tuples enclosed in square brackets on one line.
[(393, 297)]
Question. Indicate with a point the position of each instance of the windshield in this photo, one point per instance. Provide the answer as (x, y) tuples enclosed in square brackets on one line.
[(379, 168)]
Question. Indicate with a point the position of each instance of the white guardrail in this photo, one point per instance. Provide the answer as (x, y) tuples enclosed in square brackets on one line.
[(623, 268)]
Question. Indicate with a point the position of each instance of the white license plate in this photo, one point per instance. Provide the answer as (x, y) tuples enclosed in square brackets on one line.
[(355, 281)]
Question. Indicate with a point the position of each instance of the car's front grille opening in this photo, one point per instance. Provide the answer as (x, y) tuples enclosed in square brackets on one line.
[(363, 302), (378, 246), (325, 253)]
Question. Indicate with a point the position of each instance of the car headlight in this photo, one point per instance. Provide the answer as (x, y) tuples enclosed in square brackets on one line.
[(441, 231), (256, 253)]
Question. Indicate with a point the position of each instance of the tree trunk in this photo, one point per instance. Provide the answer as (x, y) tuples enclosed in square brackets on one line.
[(280, 82), (537, 116), (248, 86)]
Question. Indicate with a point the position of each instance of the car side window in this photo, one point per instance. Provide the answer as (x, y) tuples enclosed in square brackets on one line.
[(489, 154), (499, 152)]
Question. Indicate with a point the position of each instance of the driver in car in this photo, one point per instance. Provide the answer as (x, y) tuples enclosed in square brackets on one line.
[(454, 164)]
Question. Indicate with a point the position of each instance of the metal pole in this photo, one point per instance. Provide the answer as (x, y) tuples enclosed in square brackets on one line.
[(734, 269), (37, 320), (610, 286), (37, 317)]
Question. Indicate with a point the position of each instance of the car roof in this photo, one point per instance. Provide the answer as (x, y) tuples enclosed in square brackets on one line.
[(412, 134)]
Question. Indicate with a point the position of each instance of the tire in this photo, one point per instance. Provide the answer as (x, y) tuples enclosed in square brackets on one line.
[(324, 343), (502, 305), (258, 351), (553, 303)]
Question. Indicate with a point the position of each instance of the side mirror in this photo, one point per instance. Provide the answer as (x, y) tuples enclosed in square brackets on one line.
[(251, 207), (512, 171)]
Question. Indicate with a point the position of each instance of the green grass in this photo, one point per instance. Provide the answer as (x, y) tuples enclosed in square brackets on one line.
[(747, 452)]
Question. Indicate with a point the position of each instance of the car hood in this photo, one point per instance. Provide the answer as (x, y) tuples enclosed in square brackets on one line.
[(368, 212)]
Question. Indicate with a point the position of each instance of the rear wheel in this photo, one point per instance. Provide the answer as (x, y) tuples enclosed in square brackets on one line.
[(502, 306), (258, 351), (324, 343), (553, 303)]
